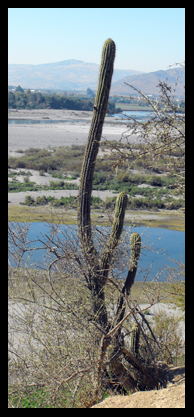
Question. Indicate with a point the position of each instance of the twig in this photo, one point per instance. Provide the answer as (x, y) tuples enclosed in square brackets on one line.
[(75, 392)]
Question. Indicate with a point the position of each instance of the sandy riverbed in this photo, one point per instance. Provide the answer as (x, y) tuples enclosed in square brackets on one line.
[(72, 132)]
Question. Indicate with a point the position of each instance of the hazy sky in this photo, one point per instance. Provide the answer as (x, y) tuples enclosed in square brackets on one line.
[(147, 39)]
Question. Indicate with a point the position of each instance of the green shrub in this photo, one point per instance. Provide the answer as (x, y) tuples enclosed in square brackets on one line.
[(99, 178), (41, 172), (12, 186), (145, 203), (41, 201), (96, 202), (56, 202), (64, 201), (156, 181), (16, 186), (49, 199), (109, 203), (29, 201), (175, 205)]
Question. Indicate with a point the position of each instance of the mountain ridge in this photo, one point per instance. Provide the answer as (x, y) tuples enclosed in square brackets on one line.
[(147, 82), (78, 75), (68, 74)]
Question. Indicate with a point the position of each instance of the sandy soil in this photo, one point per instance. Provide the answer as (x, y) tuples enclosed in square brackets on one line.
[(171, 397), (73, 132)]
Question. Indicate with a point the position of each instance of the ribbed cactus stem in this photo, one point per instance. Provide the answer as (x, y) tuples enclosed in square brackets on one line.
[(117, 227), (86, 180), (134, 340), (135, 242), (99, 112)]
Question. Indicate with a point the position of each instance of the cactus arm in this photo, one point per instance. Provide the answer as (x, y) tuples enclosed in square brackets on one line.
[(134, 340), (135, 243), (100, 107), (117, 227)]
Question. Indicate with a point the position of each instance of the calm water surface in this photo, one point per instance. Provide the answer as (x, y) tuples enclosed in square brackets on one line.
[(172, 241), (141, 115)]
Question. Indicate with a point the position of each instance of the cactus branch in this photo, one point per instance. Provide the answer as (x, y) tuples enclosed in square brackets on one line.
[(134, 340), (117, 227), (135, 242)]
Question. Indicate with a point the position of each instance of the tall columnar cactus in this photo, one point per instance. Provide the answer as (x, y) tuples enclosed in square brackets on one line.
[(99, 111), (97, 269), (94, 275)]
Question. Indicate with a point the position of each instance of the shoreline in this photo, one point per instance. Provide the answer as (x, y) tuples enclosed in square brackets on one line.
[(161, 219), (59, 115)]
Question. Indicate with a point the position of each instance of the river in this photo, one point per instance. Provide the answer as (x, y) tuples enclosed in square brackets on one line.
[(159, 248), (140, 115)]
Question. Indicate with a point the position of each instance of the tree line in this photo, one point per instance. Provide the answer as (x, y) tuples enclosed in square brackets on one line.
[(36, 100)]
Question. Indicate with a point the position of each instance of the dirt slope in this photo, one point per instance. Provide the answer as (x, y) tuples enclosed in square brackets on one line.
[(171, 397)]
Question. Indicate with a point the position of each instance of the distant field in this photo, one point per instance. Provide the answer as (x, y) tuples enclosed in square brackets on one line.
[(126, 106)]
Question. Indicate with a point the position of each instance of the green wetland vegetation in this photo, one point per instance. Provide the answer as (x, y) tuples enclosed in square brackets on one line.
[(65, 163)]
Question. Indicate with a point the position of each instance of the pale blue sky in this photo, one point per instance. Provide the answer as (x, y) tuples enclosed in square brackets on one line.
[(147, 39)]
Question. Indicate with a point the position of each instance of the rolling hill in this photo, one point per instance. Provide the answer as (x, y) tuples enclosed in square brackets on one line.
[(147, 82), (77, 75), (64, 75)]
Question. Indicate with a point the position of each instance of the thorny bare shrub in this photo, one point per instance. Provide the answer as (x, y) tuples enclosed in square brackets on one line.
[(161, 138), (55, 358)]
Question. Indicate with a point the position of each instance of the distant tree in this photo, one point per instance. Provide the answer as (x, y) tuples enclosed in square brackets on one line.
[(19, 88), (90, 92), (111, 107), (11, 100)]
